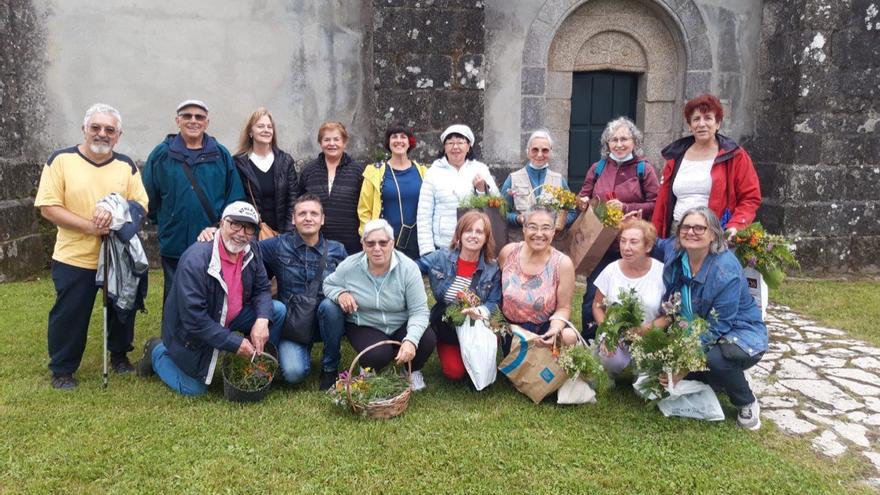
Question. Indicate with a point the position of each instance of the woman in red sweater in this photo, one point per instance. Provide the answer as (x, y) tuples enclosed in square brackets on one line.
[(707, 169)]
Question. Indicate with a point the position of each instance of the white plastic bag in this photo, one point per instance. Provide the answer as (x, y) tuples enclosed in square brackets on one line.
[(575, 391), (479, 351), (687, 399)]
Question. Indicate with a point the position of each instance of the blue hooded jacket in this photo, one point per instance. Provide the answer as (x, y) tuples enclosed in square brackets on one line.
[(174, 206)]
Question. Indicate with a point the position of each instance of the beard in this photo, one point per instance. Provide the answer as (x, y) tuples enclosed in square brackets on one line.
[(233, 247), (100, 148)]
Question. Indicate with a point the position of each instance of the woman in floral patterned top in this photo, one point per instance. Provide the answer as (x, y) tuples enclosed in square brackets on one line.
[(537, 281)]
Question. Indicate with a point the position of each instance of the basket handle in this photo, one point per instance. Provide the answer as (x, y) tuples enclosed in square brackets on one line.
[(571, 325), (358, 357)]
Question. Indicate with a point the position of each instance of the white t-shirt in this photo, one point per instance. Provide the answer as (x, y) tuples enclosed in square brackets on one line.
[(691, 186), (649, 287)]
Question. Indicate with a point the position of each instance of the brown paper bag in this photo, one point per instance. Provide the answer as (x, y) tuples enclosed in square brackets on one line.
[(587, 241), (499, 225), (531, 368)]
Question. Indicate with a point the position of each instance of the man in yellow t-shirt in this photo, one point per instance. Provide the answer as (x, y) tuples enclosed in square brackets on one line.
[(72, 182)]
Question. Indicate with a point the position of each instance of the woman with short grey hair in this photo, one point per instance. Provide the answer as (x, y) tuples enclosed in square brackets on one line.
[(709, 279), (522, 187), (381, 292), (622, 178)]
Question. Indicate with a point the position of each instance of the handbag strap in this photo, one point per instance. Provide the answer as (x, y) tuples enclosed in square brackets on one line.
[(319, 275), (206, 205)]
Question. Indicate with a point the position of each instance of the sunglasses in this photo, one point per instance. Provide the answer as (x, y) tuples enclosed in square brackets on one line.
[(200, 117), (372, 244), (108, 130)]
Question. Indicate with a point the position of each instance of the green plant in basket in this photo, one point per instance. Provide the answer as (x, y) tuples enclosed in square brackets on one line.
[(479, 201), (249, 374), (582, 361), (626, 313), (368, 386), (769, 254)]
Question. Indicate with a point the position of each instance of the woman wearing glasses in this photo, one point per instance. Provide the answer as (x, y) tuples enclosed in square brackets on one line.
[(454, 176), (537, 281), (267, 172), (522, 187), (391, 190), (383, 296), (712, 286), (468, 263), (623, 177), (707, 169)]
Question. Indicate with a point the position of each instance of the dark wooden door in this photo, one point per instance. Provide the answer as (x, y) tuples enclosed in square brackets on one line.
[(596, 98)]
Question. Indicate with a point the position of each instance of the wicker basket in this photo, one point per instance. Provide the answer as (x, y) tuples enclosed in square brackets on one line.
[(379, 409)]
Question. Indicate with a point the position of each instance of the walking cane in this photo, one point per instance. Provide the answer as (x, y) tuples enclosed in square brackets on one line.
[(105, 245)]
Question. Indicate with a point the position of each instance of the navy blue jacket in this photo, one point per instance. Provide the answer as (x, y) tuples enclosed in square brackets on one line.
[(194, 323), (440, 266), (174, 206)]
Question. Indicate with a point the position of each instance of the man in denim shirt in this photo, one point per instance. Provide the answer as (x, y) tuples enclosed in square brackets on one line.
[(293, 259)]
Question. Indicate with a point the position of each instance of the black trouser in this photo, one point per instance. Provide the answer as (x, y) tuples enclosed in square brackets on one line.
[(169, 266), (588, 329), (444, 331), (727, 364), (75, 292), (378, 358)]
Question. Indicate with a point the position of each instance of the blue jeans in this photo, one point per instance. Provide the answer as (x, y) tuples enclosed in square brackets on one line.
[(296, 359), (184, 384)]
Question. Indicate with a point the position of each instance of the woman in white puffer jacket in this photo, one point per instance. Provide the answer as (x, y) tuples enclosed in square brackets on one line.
[(451, 178)]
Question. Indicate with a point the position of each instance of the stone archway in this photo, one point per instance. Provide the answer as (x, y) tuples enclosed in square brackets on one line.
[(646, 37)]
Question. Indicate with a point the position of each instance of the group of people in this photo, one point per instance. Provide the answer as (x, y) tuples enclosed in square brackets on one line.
[(348, 244)]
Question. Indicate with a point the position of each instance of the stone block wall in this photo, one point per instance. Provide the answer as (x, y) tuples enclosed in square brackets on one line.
[(816, 144), (25, 239), (428, 59)]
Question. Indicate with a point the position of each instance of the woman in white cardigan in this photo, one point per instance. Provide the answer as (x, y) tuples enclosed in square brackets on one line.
[(451, 178)]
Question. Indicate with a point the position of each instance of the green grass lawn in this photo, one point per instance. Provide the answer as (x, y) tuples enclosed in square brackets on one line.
[(853, 306), (137, 436)]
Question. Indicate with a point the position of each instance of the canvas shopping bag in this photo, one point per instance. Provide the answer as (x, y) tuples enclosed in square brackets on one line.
[(530, 367), (587, 241), (479, 351)]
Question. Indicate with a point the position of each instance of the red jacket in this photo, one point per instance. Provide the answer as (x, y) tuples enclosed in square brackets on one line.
[(735, 195)]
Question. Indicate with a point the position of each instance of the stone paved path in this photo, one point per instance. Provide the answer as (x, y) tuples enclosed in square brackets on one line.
[(817, 383)]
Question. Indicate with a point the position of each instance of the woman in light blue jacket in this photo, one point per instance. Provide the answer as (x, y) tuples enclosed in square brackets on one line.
[(383, 296)]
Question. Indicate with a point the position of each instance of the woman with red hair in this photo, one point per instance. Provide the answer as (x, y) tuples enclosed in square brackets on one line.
[(706, 169), (468, 263)]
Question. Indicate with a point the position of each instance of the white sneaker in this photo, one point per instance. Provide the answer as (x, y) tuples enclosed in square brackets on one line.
[(417, 381), (749, 416)]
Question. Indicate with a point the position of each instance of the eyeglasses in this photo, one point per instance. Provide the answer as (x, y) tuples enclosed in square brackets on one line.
[(453, 144), (372, 244), (696, 229), (620, 140), (200, 117), (249, 228), (539, 228), (108, 130)]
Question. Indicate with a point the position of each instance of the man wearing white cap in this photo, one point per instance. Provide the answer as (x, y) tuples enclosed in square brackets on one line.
[(190, 178), (454, 176), (219, 288)]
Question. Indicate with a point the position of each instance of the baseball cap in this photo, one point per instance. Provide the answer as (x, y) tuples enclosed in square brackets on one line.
[(192, 103), (241, 211)]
